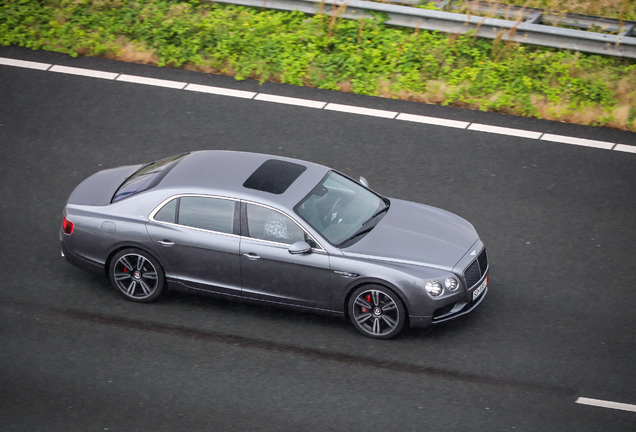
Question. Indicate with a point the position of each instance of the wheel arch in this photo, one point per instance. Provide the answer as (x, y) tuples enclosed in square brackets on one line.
[(372, 281), (132, 245)]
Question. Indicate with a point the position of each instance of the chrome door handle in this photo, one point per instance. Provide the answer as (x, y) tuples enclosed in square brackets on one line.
[(251, 256), (165, 243)]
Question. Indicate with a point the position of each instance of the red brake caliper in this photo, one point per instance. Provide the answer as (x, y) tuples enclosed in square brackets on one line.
[(369, 300)]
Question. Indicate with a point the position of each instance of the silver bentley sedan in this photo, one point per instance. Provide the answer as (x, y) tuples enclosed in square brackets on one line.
[(279, 231)]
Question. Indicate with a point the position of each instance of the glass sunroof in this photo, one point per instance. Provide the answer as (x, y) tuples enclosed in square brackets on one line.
[(274, 176)]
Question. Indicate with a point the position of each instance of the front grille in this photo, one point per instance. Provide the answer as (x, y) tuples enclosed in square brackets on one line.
[(483, 261), (476, 269)]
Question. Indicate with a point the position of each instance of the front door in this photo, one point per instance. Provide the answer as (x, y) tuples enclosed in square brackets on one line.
[(270, 272)]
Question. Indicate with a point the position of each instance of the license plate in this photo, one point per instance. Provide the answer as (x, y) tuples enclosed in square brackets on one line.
[(480, 289)]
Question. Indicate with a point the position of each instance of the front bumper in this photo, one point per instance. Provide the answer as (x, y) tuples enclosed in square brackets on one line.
[(452, 310)]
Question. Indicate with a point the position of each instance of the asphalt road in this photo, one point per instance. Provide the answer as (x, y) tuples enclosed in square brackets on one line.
[(558, 323)]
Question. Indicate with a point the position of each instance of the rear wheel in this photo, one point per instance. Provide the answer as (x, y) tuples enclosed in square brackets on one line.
[(136, 275), (376, 312)]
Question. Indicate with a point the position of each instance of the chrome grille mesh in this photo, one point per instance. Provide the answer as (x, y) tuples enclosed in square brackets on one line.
[(476, 269)]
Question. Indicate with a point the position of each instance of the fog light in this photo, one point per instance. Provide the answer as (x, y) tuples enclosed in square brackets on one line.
[(434, 288)]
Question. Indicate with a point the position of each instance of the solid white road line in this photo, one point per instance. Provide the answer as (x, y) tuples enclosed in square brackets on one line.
[(606, 404), (359, 110), (220, 91), (24, 64), (152, 81), (84, 72), (578, 141), (625, 148), (433, 121), (290, 101), (504, 131)]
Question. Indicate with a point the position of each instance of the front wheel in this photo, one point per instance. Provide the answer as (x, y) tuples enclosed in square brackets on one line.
[(136, 275), (376, 312)]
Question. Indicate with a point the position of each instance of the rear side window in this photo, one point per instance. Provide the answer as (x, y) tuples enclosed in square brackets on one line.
[(147, 177), (212, 214), (168, 213)]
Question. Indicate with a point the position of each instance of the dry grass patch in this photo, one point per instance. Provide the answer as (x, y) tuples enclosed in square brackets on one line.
[(133, 52), (345, 86), (435, 92), (202, 68), (621, 117)]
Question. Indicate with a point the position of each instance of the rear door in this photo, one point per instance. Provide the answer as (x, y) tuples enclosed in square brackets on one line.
[(198, 237)]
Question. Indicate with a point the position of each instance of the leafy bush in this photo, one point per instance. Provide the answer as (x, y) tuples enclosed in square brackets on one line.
[(365, 56)]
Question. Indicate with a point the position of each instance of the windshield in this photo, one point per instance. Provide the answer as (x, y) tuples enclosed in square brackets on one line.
[(339, 209)]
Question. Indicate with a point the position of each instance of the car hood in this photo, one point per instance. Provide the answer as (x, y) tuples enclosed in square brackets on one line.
[(418, 234)]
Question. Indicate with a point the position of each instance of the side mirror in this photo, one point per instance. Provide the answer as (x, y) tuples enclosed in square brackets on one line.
[(364, 181), (300, 247)]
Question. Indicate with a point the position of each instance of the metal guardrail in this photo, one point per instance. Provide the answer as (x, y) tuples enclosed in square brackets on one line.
[(539, 16), (447, 22)]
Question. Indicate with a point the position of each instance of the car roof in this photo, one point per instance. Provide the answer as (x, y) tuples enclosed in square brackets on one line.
[(224, 173)]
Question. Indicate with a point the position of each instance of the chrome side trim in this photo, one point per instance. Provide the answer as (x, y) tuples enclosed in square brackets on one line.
[(396, 260), (346, 274)]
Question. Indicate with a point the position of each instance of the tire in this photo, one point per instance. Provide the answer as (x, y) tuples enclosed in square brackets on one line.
[(136, 275), (376, 312)]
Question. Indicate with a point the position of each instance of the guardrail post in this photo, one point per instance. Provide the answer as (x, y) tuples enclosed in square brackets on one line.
[(628, 30), (535, 18)]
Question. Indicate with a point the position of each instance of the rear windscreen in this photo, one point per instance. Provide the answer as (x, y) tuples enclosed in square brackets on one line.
[(147, 177)]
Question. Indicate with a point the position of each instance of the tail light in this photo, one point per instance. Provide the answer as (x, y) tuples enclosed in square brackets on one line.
[(67, 225)]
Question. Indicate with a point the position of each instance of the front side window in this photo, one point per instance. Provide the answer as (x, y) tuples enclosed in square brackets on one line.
[(341, 210), (266, 224), (212, 214)]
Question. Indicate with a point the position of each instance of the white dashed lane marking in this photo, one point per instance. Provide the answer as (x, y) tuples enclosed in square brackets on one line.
[(625, 148), (24, 64), (606, 404), (290, 101), (578, 141), (351, 109), (505, 131), (220, 91), (84, 72), (433, 120), (152, 81), (359, 110)]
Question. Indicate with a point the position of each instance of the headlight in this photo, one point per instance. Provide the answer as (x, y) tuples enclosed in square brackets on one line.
[(451, 283), (434, 288)]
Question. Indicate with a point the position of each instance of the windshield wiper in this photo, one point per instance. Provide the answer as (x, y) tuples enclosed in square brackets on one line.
[(365, 230), (379, 212), (358, 233)]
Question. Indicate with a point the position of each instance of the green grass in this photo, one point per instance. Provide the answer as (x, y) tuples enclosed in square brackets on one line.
[(364, 57)]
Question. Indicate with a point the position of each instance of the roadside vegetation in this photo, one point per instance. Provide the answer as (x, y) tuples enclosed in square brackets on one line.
[(361, 56)]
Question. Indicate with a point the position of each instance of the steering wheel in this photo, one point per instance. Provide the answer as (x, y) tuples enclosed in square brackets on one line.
[(333, 214)]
